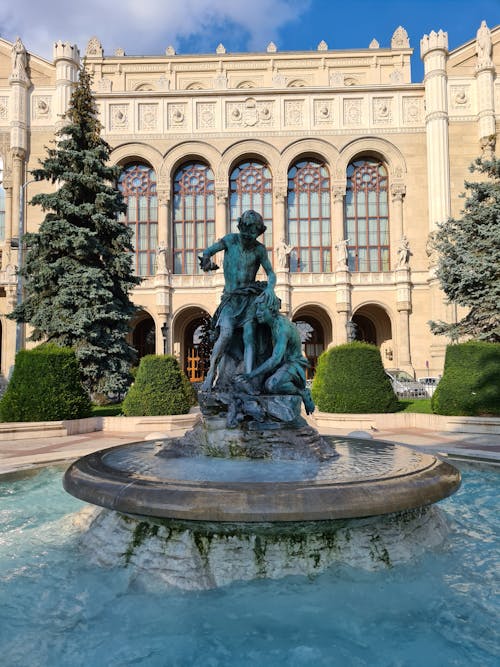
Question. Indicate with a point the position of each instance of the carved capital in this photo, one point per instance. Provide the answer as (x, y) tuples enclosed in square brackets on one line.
[(338, 192), (163, 195), (398, 191), (280, 192), (221, 195), (17, 153)]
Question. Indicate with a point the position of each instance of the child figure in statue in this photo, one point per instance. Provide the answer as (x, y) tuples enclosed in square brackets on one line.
[(243, 256), (284, 371)]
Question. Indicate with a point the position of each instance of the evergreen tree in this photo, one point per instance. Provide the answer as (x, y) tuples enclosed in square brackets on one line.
[(469, 258), (78, 269)]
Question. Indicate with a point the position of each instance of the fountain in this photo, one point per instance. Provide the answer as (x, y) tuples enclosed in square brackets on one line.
[(253, 490)]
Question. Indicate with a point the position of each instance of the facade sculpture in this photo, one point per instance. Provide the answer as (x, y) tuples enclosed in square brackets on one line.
[(283, 251), (19, 59), (403, 252)]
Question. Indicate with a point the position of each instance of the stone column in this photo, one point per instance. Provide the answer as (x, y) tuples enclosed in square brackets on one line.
[(7, 186), (339, 264), (485, 79), (434, 53), (337, 228), (398, 191), (18, 173), (279, 230), (67, 61), (165, 225), (221, 222), (283, 287), (403, 304)]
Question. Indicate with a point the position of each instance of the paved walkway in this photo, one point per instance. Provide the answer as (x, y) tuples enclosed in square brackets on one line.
[(24, 453)]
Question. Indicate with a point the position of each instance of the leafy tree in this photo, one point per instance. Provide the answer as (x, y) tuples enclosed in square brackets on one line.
[(78, 269), (469, 258)]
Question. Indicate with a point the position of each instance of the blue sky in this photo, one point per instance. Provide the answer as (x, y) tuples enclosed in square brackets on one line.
[(197, 26)]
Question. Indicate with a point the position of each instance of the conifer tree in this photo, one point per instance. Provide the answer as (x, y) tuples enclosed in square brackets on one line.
[(469, 258), (78, 270)]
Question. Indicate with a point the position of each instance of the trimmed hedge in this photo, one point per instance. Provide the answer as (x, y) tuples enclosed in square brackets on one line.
[(160, 388), (470, 385), (45, 386), (350, 378)]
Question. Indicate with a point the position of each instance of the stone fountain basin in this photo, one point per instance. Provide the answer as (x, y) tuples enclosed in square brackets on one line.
[(368, 478)]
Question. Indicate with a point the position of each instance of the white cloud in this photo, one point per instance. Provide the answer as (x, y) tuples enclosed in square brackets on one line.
[(148, 27)]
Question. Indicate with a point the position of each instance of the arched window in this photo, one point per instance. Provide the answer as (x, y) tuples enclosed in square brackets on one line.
[(2, 204), (309, 217), (252, 188), (138, 185), (193, 215), (366, 217)]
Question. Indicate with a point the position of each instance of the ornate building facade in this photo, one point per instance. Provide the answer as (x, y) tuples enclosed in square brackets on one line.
[(350, 164)]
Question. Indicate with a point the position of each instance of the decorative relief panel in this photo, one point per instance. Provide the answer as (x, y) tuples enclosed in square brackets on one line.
[(413, 109), (353, 112), (205, 115), (323, 111), (148, 116), (4, 108), (104, 85), (41, 107), (176, 114), (460, 97), (249, 113), (382, 110), (294, 112), (118, 116)]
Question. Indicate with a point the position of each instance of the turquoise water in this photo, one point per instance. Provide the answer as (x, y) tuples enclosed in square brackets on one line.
[(57, 610)]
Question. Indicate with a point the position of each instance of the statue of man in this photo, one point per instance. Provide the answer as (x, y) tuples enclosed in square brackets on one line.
[(282, 252), (161, 267), (403, 252), (342, 252), (243, 256), (284, 371)]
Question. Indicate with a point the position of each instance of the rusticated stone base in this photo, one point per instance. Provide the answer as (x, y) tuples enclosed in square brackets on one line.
[(211, 437), (202, 555)]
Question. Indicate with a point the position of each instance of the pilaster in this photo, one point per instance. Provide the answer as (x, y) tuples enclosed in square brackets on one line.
[(403, 304), (434, 53), (485, 78)]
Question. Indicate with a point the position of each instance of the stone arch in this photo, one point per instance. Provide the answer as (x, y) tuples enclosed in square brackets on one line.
[(374, 324), (317, 318), (142, 334), (186, 152), (297, 83), (184, 325), (260, 150), (132, 152), (314, 148), (376, 147)]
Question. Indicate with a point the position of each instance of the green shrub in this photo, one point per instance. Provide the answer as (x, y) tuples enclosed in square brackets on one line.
[(45, 386), (160, 388), (350, 378), (471, 380)]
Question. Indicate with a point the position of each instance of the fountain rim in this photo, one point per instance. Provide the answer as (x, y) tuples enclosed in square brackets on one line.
[(92, 480)]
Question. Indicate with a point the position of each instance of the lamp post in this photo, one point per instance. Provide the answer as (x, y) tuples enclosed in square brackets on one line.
[(20, 259), (164, 333)]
